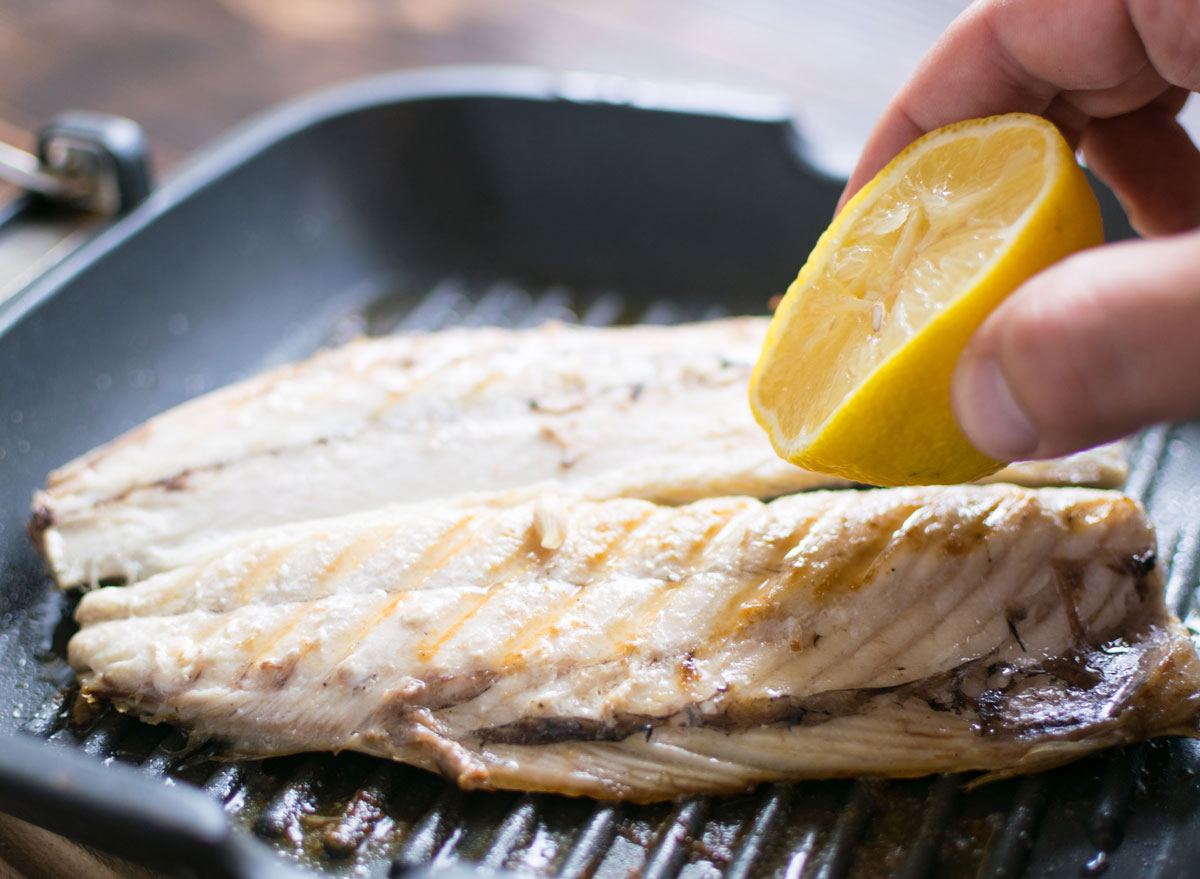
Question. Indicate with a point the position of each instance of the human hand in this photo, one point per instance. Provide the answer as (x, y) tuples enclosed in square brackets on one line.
[(1107, 340)]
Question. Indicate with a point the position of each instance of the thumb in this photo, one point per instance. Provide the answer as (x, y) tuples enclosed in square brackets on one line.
[(1094, 347)]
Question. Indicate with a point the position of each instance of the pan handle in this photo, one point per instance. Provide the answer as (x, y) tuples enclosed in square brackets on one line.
[(123, 812), (92, 161), (88, 168)]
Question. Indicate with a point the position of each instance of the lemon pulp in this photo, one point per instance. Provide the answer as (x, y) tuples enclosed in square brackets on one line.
[(895, 286)]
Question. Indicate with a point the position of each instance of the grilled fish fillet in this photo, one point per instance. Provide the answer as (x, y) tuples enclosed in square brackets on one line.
[(658, 413), (626, 650)]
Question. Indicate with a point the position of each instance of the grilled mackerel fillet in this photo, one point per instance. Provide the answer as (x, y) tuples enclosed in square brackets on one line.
[(651, 412), (627, 650)]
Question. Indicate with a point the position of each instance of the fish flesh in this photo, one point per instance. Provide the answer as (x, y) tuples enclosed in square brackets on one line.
[(658, 413), (623, 649)]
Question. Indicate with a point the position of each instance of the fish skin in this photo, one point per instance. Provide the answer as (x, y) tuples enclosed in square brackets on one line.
[(657, 651), (658, 413)]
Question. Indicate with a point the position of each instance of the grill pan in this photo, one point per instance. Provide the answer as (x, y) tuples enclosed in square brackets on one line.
[(503, 196)]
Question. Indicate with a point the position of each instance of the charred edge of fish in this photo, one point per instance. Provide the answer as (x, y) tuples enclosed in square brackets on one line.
[(37, 526), (977, 691), (178, 482), (86, 709), (1068, 579), (551, 730), (438, 692), (1139, 566), (1011, 618)]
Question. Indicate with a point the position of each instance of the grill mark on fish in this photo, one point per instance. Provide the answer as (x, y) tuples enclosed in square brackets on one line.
[(913, 528), (499, 576), (647, 612), (599, 562), (857, 561), (256, 579), (347, 559), (352, 556), (609, 555), (260, 661), (435, 556), (754, 604)]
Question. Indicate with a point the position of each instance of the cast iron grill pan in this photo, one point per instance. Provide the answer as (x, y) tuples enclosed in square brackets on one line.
[(383, 208)]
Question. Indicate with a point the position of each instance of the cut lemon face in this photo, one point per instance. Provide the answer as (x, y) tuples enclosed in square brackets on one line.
[(854, 376)]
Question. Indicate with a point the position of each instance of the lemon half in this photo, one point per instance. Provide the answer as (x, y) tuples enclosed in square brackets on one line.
[(854, 376)]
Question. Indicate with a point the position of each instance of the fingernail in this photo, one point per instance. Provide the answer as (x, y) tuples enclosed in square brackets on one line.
[(989, 415)]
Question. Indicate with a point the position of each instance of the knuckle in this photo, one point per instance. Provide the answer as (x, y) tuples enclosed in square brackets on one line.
[(1056, 348), (1170, 32)]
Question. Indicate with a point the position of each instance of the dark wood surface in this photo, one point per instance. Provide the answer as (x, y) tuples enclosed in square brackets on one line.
[(189, 69)]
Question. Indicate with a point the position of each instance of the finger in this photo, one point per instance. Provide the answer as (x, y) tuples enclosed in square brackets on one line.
[(1144, 87), (1170, 31), (1000, 57), (1089, 350), (1162, 195)]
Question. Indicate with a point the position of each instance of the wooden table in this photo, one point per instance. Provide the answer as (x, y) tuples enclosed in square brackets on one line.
[(188, 70)]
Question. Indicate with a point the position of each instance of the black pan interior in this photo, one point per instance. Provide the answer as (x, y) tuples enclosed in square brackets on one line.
[(387, 206)]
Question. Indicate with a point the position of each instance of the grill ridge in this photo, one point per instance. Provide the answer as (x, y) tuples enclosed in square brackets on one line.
[(670, 850), (604, 310), (167, 753), (939, 806), (224, 783), (780, 837), (1145, 460), (48, 717), (431, 832), (294, 797), (770, 814), (1106, 824), (105, 734), (592, 842), (1110, 806), (1184, 571), (502, 304), (439, 308), (852, 825), (1009, 853), (513, 831)]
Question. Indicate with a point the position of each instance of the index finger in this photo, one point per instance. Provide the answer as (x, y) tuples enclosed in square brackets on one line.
[(1000, 57)]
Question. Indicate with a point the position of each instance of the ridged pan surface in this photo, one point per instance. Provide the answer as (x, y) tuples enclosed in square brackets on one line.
[(510, 211)]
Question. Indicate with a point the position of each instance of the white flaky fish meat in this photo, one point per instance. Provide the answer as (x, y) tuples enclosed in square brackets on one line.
[(658, 413), (627, 650)]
